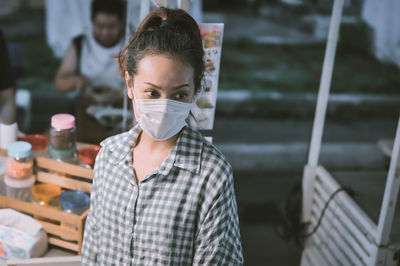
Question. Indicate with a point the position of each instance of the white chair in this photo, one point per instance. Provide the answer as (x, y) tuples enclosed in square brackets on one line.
[(345, 235)]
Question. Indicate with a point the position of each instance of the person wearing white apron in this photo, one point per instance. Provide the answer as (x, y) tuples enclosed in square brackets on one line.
[(89, 69)]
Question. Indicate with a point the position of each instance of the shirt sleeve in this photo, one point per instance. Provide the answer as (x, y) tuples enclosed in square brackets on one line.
[(7, 79), (218, 240), (90, 246)]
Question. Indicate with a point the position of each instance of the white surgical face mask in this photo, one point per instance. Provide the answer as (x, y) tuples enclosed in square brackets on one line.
[(161, 118)]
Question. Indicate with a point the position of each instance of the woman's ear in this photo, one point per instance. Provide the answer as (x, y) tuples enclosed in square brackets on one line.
[(129, 85)]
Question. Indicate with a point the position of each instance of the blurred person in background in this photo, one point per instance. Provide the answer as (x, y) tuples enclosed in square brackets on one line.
[(7, 85), (89, 59), (90, 68)]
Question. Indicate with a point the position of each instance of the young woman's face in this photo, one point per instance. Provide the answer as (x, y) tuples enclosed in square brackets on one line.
[(162, 77), (107, 29)]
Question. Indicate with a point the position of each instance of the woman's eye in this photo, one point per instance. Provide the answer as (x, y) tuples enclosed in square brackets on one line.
[(152, 93), (180, 95)]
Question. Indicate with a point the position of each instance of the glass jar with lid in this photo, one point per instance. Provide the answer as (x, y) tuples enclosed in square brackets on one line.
[(63, 138), (19, 160), (63, 131)]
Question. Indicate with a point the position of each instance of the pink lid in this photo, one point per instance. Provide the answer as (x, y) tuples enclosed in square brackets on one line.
[(63, 121)]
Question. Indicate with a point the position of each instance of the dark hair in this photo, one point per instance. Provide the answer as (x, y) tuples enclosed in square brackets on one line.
[(171, 32), (110, 7)]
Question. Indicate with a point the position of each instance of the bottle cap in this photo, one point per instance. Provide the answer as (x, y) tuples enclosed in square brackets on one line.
[(19, 149), (63, 121)]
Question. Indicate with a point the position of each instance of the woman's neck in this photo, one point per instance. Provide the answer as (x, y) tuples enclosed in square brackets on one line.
[(151, 145)]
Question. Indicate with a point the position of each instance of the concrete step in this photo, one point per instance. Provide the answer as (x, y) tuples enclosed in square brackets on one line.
[(244, 103), (292, 156)]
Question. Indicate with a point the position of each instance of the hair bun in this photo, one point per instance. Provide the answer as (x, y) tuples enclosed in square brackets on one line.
[(166, 25)]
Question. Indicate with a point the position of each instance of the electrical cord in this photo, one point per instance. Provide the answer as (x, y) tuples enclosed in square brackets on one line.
[(292, 226), (323, 211)]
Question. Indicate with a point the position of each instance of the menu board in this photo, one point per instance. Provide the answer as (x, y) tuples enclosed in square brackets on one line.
[(204, 108)]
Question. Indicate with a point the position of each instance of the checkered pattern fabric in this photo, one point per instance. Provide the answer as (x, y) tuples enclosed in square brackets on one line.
[(183, 213)]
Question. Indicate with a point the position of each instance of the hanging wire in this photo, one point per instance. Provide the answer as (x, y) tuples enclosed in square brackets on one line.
[(292, 227)]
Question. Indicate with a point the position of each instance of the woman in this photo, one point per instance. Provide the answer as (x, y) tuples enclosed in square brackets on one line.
[(162, 194)]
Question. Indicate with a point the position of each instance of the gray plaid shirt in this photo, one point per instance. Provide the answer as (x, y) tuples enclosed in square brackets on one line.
[(183, 213)]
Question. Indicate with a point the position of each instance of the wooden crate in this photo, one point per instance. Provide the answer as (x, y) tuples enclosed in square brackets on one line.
[(53, 220)]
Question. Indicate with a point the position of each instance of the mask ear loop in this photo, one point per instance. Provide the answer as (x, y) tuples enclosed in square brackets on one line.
[(135, 119), (132, 90), (133, 93), (125, 112)]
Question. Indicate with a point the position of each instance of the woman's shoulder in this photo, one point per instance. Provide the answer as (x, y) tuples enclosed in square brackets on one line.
[(214, 171), (212, 159)]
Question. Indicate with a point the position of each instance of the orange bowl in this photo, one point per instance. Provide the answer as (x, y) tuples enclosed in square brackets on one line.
[(87, 155), (45, 192)]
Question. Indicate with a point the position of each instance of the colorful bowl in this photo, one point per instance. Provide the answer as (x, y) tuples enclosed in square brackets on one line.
[(45, 193), (38, 142), (87, 155), (74, 201)]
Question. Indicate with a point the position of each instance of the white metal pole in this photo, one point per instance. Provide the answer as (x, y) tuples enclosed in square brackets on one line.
[(325, 83), (184, 4), (125, 104), (391, 193), (322, 102)]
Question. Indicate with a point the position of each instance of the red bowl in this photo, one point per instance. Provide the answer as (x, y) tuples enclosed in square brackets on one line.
[(87, 155), (38, 142)]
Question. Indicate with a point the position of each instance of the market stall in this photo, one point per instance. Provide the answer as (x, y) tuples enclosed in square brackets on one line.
[(53, 173)]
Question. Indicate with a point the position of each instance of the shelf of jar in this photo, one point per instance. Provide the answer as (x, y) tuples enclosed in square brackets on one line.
[(64, 229)]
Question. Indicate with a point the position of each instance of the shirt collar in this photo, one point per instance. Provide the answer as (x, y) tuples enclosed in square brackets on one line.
[(186, 153), (119, 146)]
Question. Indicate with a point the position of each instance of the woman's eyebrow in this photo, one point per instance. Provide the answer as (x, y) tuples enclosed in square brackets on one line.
[(174, 88), (153, 85), (180, 86)]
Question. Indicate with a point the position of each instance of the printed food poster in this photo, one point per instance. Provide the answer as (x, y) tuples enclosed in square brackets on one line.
[(204, 107)]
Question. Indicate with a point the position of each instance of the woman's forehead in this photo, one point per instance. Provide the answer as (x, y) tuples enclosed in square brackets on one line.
[(163, 68)]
